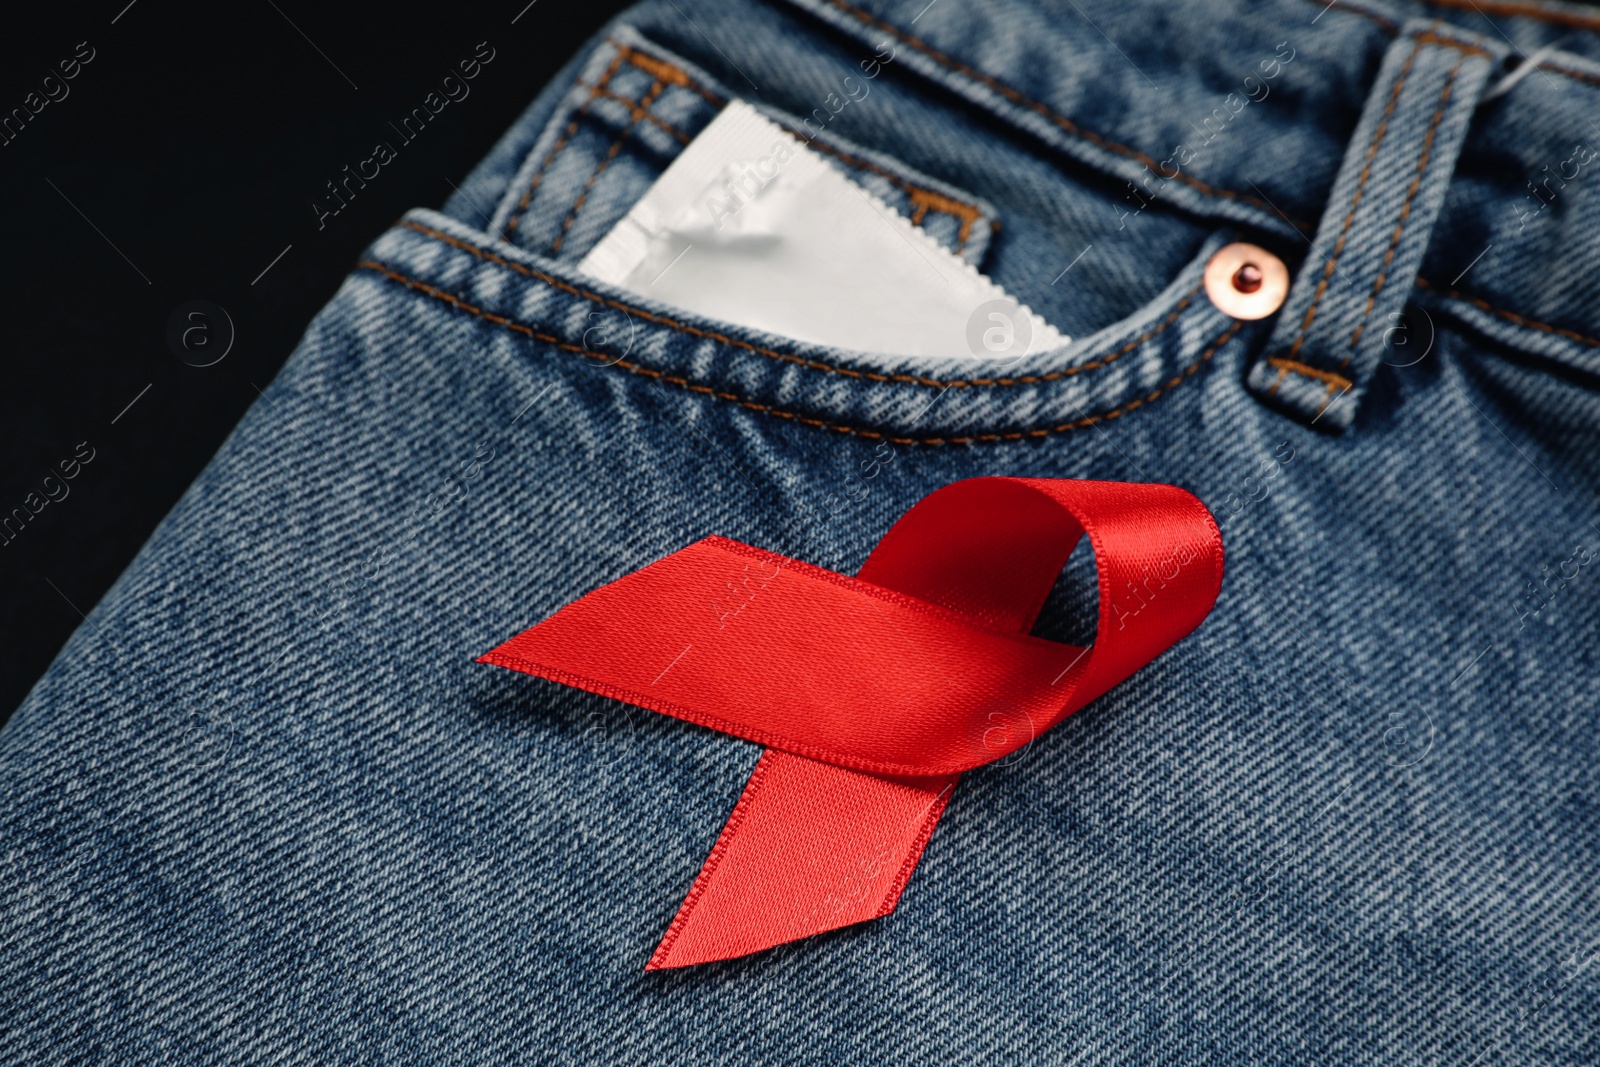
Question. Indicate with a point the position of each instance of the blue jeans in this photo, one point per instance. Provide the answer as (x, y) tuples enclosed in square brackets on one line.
[(266, 807)]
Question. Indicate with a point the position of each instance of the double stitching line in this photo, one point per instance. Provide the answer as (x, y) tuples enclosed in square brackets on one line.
[(1405, 210), (1326, 377), (640, 115), (768, 409), (1510, 316), (643, 106), (1483, 7), (671, 72), (1465, 47), (1337, 384), (1355, 199), (785, 357), (1532, 11), (566, 135), (665, 74)]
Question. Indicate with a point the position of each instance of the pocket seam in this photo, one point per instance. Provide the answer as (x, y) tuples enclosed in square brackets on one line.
[(1510, 316), (767, 409), (813, 364)]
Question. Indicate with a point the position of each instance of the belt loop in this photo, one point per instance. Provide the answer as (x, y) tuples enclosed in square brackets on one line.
[(1330, 335)]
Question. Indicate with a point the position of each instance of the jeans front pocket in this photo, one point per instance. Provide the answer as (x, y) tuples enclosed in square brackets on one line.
[(585, 327)]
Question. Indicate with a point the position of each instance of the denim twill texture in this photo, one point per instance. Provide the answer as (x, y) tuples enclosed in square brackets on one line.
[(266, 808)]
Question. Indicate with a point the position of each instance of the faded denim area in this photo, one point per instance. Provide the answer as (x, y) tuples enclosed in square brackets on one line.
[(266, 808)]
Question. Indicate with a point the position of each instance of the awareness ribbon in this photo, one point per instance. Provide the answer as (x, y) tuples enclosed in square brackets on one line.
[(873, 694)]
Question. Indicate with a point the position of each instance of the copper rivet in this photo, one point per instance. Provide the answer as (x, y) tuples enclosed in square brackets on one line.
[(1246, 282)]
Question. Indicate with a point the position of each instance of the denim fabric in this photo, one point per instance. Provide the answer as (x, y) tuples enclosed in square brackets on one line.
[(266, 808)]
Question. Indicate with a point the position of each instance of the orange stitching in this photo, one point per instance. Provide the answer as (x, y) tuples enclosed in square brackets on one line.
[(921, 199), (1511, 316), (1033, 105), (1430, 37), (1324, 376), (1405, 210), (1283, 372), (668, 72), (1576, 75), (767, 409), (967, 213), (1559, 18), (909, 379), (577, 205), (659, 69), (913, 192), (1327, 378), (638, 115), (1355, 201), (561, 142)]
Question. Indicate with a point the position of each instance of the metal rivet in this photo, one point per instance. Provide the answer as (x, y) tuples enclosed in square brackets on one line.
[(1246, 282)]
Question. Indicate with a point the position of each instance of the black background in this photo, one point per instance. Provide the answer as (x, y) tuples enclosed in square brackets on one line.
[(183, 159)]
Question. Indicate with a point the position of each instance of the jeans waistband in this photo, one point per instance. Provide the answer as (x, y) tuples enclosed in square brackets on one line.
[(1453, 146)]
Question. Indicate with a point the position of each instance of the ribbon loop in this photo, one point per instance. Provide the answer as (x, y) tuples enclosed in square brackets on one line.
[(874, 693)]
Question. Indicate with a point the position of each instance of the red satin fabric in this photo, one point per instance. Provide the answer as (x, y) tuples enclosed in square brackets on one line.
[(873, 693)]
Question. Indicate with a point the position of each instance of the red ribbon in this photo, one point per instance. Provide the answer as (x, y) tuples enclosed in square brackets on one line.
[(873, 694)]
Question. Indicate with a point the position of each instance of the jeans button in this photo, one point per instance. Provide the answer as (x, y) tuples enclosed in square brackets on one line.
[(1246, 282)]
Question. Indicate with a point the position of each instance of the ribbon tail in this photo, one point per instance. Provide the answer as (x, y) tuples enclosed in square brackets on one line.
[(810, 847)]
